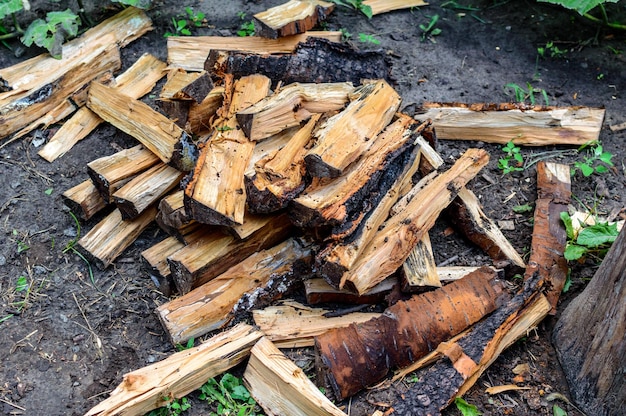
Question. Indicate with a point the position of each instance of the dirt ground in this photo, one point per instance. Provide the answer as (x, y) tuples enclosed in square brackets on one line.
[(67, 341)]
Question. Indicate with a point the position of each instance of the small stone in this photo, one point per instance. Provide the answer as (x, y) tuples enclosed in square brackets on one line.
[(151, 358), (507, 225), (3, 260), (63, 318)]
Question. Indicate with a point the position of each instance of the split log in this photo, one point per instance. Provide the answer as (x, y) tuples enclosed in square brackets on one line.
[(291, 105), (110, 173), (214, 252), (181, 373), (590, 337), (183, 85), (419, 270), (215, 194), (522, 124), (190, 52), (280, 387), (393, 243), (111, 236), (450, 273), (316, 60), (186, 233), (278, 177), (384, 6), (268, 147), (319, 291), (145, 189), (200, 116), (210, 306), (362, 354), (84, 200), (172, 210), (155, 131), (294, 325), (135, 82), (291, 18), (347, 135), (155, 258)]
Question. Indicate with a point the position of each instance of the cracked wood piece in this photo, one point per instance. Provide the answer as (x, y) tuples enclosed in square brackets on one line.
[(319, 291), (84, 200), (346, 136), (212, 252), (200, 116), (179, 374), (419, 270), (216, 193), (384, 6), (135, 82), (291, 18), (393, 243), (291, 105), (111, 236), (155, 131), (210, 306), (363, 354), (155, 259), (110, 173), (145, 189), (20, 110), (344, 201), (294, 325), (190, 52), (280, 387), (279, 176), (524, 125)]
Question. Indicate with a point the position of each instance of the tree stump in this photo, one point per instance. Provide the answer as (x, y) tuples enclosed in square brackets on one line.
[(590, 338)]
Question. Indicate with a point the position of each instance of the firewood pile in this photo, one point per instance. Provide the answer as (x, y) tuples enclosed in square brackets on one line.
[(276, 166)]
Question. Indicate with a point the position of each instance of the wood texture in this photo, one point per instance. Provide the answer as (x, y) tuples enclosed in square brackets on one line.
[(84, 200), (291, 18), (419, 270), (155, 258)]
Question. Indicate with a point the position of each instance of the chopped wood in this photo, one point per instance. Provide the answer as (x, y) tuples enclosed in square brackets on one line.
[(266, 148), (419, 270), (549, 235), (362, 354), (183, 85), (210, 306), (213, 252), (146, 189), (617, 127), (316, 60), (589, 337), (84, 200), (291, 18), (155, 131), (200, 115), (251, 224), (278, 175), (393, 243), (384, 6), (111, 236), (522, 124), (319, 291), (449, 273), (190, 52), (346, 136), (110, 173), (179, 374), (280, 387), (135, 82), (172, 210), (291, 105), (175, 110), (156, 261), (216, 193), (294, 325)]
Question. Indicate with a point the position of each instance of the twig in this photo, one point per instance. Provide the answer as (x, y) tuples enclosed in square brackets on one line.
[(23, 409), (89, 328)]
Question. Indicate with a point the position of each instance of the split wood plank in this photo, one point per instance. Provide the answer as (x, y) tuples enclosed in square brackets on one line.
[(294, 325), (84, 200), (524, 125), (190, 52), (384, 6), (135, 82), (200, 116), (393, 243), (155, 131), (291, 105), (419, 270), (362, 354), (215, 194), (111, 236), (212, 252), (179, 374), (346, 136), (110, 173), (291, 18), (155, 258), (146, 189), (280, 387), (210, 306)]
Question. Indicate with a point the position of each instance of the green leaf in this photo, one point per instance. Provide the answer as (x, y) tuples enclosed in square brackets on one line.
[(519, 209), (48, 191), (66, 19), (569, 229), (465, 408), (366, 10), (140, 4), (574, 252), (606, 158), (586, 169), (21, 284), (568, 283), (601, 169), (10, 6), (598, 234), (581, 6), (557, 411)]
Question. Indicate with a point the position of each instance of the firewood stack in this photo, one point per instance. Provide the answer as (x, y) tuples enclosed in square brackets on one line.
[(271, 172)]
